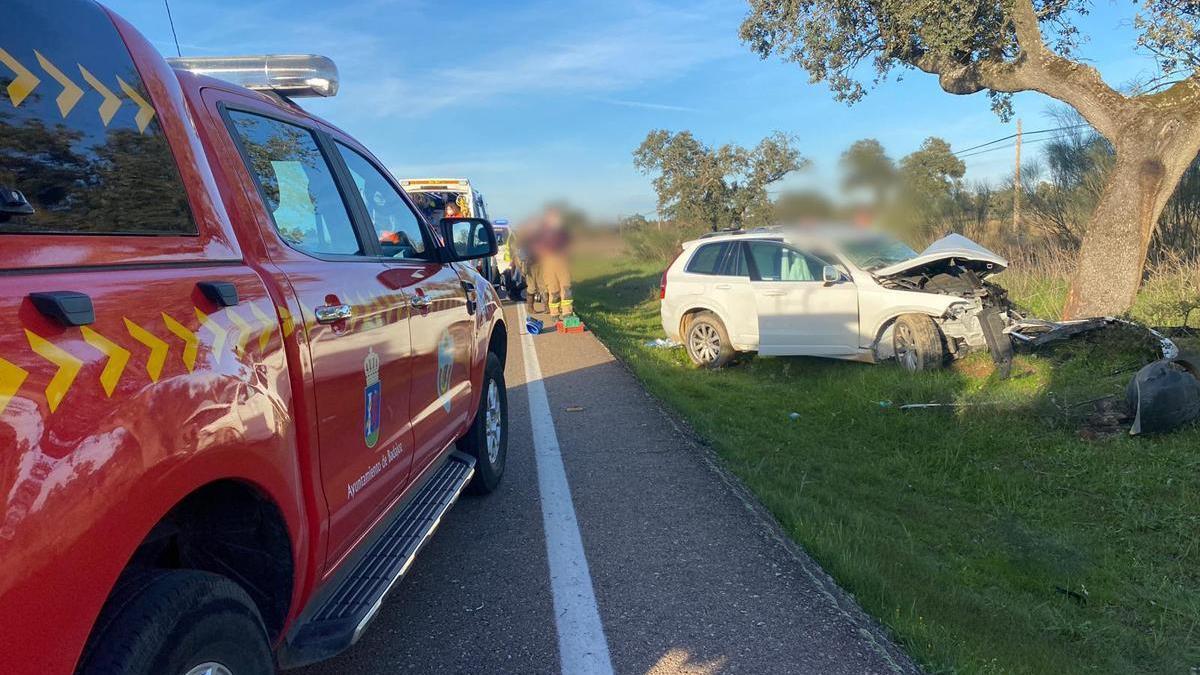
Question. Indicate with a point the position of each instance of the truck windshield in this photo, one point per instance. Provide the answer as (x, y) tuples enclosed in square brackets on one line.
[(874, 253)]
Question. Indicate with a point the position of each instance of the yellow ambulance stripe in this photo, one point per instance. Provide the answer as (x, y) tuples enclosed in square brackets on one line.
[(71, 92), (24, 83), (266, 323), (191, 343), (242, 327), (11, 379), (218, 332), (158, 349), (118, 358), (289, 323), (111, 102), (68, 368)]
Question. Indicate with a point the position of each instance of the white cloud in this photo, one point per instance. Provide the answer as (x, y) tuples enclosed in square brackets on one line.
[(650, 43)]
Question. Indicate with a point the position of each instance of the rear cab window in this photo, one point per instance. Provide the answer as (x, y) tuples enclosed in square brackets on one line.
[(83, 152)]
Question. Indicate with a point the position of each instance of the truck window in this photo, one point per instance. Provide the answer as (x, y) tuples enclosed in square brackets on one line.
[(81, 140), (399, 230), (296, 184)]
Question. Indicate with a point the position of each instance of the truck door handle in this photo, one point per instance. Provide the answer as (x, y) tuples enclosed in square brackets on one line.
[(419, 301), (472, 298), (723, 287), (328, 314), (66, 307), (773, 293)]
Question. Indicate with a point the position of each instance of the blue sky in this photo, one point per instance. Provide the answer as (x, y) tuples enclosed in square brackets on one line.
[(542, 100)]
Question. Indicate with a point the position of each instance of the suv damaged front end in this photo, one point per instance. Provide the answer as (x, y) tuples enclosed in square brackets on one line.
[(956, 266)]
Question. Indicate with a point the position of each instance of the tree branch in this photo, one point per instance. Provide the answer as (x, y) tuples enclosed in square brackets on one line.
[(1035, 68)]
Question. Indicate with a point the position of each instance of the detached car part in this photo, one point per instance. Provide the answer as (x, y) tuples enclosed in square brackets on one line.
[(1163, 395)]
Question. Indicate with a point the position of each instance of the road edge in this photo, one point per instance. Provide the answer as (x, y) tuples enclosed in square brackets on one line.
[(880, 638)]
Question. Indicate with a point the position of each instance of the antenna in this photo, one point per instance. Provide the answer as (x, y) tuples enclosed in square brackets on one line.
[(171, 20)]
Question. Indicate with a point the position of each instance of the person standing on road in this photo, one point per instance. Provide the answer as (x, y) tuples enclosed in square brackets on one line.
[(534, 288), (550, 248)]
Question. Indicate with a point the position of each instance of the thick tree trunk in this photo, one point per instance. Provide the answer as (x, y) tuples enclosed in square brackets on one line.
[(1113, 254)]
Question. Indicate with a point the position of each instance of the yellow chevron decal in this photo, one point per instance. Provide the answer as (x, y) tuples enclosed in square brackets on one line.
[(118, 358), (268, 326), (243, 329), (68, 368), (145, 110), (11, 379), (158, 349), (25, 82), (219, 334), (71, 92), (289, 324), (191, 343), (111, 102)]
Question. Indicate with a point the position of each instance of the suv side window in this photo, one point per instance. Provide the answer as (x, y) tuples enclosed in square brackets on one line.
[(81, 149), (735, 262), (297, 185), (397, 227), (774, 261), (707, 258)]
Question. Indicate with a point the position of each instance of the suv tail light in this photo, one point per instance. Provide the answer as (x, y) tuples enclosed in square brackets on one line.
[(662, 285)]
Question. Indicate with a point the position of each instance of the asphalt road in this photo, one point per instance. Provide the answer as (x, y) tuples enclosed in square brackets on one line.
[(687, 573)]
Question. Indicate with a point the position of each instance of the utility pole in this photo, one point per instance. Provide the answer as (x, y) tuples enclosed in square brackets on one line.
[(1017, 183)]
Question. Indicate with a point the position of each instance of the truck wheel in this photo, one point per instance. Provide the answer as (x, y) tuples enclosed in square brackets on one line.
[(181, 622), (918, 343), (487, 439), (708, 342)]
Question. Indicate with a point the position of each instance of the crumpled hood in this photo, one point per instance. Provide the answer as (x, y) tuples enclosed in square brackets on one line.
[(951, 247)]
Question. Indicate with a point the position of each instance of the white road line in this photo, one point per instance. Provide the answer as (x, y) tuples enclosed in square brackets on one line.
[(582, 648)]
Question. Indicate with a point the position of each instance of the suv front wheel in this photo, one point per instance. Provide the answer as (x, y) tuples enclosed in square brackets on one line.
[(707, 341), (918, 343)]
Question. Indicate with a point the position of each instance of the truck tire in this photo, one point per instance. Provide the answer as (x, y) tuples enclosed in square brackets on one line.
[(707, 342), (917, 342), (176, 622), (487, 439)]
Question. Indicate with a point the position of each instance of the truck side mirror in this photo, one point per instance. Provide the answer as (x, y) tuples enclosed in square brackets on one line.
[(467, 239), (13, 203)]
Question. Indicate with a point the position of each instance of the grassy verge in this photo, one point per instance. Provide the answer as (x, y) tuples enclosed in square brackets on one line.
[(989, 537)]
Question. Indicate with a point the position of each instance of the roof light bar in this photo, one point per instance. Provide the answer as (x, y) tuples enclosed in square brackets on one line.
[(291, 75)]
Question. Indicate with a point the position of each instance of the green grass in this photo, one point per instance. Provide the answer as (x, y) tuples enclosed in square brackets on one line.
[(989, 538)]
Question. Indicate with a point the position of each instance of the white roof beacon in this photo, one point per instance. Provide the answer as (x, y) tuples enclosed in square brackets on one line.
[(289, 75)]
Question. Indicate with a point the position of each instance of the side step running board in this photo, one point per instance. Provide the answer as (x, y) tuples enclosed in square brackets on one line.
[(342, 614)]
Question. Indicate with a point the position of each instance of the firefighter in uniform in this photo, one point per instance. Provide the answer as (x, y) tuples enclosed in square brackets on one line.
[(534, 290), (550, 249)]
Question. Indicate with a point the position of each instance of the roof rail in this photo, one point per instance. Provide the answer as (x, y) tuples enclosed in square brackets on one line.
[(738, 231)]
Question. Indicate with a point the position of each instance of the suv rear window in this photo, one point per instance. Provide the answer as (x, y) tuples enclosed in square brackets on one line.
[(707, 258), (78, 136)]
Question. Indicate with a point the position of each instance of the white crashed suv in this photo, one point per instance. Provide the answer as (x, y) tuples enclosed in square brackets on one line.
[(837, 292)]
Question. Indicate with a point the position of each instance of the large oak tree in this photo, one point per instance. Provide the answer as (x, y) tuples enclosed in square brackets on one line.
[(1007, 46)]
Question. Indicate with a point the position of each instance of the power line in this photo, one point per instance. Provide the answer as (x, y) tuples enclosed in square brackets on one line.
[(1012, 136), (1005, 147)]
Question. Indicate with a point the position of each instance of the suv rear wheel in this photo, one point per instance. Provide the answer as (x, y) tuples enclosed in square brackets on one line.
[(918, 343), (707, 341), (179, 622)]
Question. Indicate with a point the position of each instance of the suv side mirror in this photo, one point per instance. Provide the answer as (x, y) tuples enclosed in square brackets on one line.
[(467, 239), (831, 275)]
